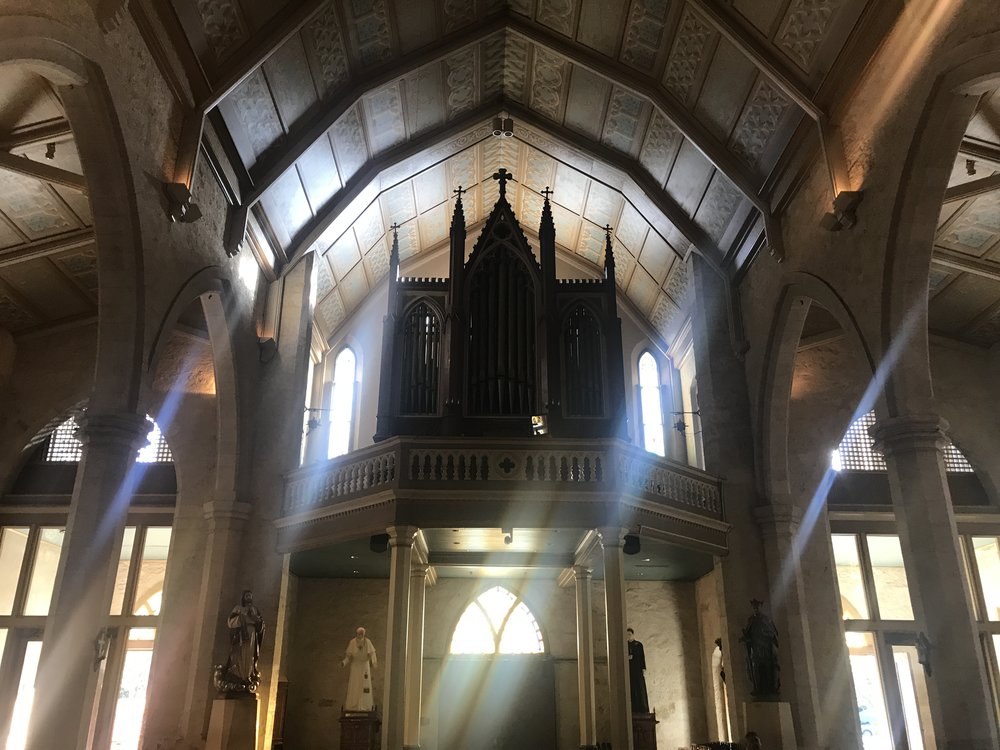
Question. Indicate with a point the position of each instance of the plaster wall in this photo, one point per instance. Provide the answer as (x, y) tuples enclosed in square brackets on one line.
[(327, 611), (51, 374)]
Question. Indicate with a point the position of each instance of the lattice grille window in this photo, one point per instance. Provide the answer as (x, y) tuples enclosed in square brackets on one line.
[(65, 448), (856, 451)]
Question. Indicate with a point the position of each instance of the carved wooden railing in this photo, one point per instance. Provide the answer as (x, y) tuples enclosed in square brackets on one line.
[(463, 464)]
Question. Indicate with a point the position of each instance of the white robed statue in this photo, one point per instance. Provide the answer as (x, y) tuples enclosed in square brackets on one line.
[(360, 657)]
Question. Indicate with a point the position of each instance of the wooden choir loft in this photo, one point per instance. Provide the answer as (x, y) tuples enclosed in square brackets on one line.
[(502, 347)]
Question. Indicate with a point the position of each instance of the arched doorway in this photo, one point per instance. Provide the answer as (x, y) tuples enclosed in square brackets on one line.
[(497, 685)]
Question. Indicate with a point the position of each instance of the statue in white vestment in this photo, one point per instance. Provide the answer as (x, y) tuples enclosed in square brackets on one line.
[(360, 657)]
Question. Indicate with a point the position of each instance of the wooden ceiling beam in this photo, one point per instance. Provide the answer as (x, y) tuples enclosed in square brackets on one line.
[(698, 134), (266, 173), (50, 246), (656, 194), (47, 132), (751, 45), (371, 169), (40, 171), (981, 151), (957, 261), (971, 189)]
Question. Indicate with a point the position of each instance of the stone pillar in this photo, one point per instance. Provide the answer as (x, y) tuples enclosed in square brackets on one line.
[(393, 704), (728, 442), (779, 525), (68, 675), (414, 656), (585, 657), (960, 703), (620, 704)]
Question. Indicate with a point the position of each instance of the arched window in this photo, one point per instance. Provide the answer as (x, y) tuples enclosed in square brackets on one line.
[(342, 403), (64, 447), (497, 622), (650, 407), (856, 451)]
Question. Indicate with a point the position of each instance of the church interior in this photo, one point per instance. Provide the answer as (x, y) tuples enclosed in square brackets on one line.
[(485, 374)]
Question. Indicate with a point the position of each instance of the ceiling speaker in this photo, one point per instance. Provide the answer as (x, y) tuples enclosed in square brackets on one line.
[(379, 543), (631, 546)]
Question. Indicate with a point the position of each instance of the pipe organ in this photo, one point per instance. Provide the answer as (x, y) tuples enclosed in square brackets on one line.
[(502, 347)]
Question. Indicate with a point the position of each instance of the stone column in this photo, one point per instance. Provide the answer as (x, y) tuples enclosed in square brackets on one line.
[(620, 705), (825, 725), (68, 675), (393, 704), (414, 656), (728, 443), (585, 657), (961, 707)]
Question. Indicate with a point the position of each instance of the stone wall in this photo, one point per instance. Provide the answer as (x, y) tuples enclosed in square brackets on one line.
[(327, 611)]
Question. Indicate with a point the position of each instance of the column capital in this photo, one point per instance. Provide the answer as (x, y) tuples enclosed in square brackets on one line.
[(219, 510), (401, 536), (126, 431), (582, 572), (924, 431), (777, 517), (612, 536)]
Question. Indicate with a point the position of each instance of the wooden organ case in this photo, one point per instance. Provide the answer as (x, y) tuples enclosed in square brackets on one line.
[(502, 347)]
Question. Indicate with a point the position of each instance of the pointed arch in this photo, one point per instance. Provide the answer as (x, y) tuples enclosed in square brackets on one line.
[(497, 622), (52, 49), (421, 332), (774, 401)]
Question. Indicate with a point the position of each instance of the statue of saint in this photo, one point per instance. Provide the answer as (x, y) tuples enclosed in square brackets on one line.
[(636, 678), (246, 632), (761, 639), (360, 657)]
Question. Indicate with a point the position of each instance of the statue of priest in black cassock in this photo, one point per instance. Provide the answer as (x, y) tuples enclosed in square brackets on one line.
[(636, 678)]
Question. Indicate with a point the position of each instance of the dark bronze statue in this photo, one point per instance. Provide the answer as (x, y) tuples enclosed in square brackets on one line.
[(761, 640), (246, 632)]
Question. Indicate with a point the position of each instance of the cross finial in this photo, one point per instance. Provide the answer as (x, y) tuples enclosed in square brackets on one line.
[(459, 192), (501, 176), (547, 192), (608, 229), (395, 228)]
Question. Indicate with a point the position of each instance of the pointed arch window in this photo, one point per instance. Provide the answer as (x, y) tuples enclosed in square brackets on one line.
[(497, 622), (856, 451), (65, 447), (342, 402), (650, 405)]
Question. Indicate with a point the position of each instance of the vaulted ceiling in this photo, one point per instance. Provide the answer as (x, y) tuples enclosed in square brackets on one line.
[(666, 119), (670, 120), (48, 265), (965, 274)]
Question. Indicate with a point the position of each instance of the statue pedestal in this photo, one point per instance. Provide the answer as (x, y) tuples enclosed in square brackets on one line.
[(233, 725), (359, 730), (772, 721), (644, 731)]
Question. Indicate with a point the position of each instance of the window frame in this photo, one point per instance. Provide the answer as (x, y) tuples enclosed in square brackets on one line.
[(641, 422), (498, 636), (352, 424)]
